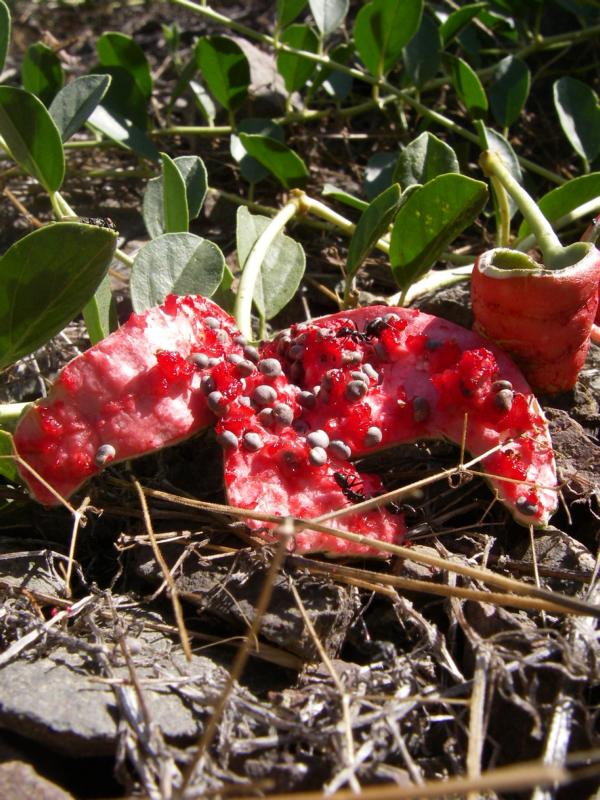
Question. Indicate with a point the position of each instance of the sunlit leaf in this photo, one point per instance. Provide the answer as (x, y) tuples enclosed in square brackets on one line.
[(328, 14), (76, 101), (41, 72), (423, 159), (123, 132), (499, 144), (251, 169), (288, 10), (566, 198), (282, 162), (294, 69), (119, 50), (224, 68), (100, 313), (458, 20), (379, 173), (467, 85), (8, 467), (509, 90), (382, 29), (579, 115), (373, 223), (193, 173), (175, 209)]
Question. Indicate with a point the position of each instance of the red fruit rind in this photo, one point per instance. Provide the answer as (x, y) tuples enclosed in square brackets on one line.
[(132, 393), (542, 317)]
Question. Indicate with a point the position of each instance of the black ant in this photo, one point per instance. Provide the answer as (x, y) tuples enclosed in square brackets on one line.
[(351, 333), (348, 485)]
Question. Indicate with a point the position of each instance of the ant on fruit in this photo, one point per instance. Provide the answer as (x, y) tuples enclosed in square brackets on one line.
[(346, 332), (348, 485)]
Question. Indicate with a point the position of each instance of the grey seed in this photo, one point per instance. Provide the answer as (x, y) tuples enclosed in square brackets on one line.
[(301, 427), (269, 367), (373, 436), (318, 438), (213, 361), (327, 381), (340, 449), (390, 318), (283, 342), (301, 338), (504, 399), (359, 375), (245, 401), (251, 353), (234, 358), (212, 322), (222, 336), (217, 403), (421, 409), (252, 441), (498, 386), (228, 440), (372, 373), (263, 395), (240, 339), (207, 384), (104, 454), (306, 399), (317, 456), (283, 413), (245, 367), (355, 390), (265, 417), (351, 357), (526, 507), (296, 352), (199, 360)]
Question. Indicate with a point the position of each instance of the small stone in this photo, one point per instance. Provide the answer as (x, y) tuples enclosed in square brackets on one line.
[(104, 455), (283, 413), (228, 440), (498, 386), (355, 390), (252, 441), (526, 507), (421, 409), (234, 358), (263, 395), (217, 403), (317, 456), (296, 352), (199, 360), (212, 322), (504, 399), (318, 438), (245, 367), (269, 367), (265, 417), (306, 399), (340, 449), (207, 384), (373, 436), (251, 353)]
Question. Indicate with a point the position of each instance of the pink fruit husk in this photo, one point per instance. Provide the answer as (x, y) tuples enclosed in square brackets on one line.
[(133, 393), (542, 317)]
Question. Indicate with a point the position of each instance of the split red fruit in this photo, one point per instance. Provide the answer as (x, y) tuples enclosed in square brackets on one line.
[(140, 389)]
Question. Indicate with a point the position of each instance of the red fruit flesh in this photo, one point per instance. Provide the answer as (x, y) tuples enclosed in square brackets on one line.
[(133, 392), (542, 318), (424, 375)]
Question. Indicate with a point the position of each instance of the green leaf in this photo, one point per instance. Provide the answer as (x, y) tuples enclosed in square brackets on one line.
[(4, 32), (328, 14), (579, 115), (119, 50), (294, 69), (100, 313), (45, 280), (123, 132), (423, 159), (566, 198), (496, 142), (175, 208), (382, 29), (458, 21), (123, 97), (379, 173), (32, 137), (372, 224), (509, 90), (288, 10), (467, 85), (225, 70), (336, 83), (175, 263), (329, 190), (8, 467), (251, 169), (76, 101), (431, 218), (280, 272), (193, 173), (278, 158), (223, 296), (422, 55), (41, 72)]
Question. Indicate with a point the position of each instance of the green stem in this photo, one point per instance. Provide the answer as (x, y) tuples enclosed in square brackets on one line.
[(10, 413), (251, 269), (503, 234)]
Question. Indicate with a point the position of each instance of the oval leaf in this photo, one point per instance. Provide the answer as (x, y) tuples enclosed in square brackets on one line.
[(382, 29), (496, 142), (509, 90), (579, 114), (195, 179), (423, 159), (430, 219), (32, 137), (288, 10), (46, 279), (8, 467), (458, 21), (175, 263), (373, 223), (422, 55), (4, 32), (100, 313), (41, 72), (123, 132), (282, 163), (566, 198), (225, 70), (467, 85), (252, 170), (123, 97), (294, 69), (379, 173), (76, 101), (119, 50), (328, 14), (280, 272), (175, 208), (329, 190)]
